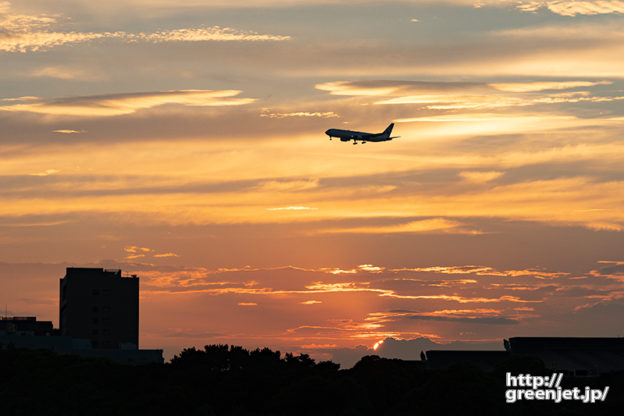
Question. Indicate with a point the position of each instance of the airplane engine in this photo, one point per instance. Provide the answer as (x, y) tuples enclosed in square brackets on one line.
[(344, 139)]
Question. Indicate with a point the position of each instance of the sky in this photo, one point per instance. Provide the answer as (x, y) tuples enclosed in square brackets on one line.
[(185, 144)]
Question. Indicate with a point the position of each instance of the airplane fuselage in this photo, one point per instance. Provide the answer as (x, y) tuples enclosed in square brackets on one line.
[(347, 135)]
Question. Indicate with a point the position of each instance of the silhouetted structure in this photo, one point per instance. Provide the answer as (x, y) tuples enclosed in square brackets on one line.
[(25, 325), (99, 317), (101, 306), (484, 360), (573, 355), (230, 380)]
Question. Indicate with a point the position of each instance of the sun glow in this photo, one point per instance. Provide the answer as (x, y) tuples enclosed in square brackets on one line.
[(377, 345)]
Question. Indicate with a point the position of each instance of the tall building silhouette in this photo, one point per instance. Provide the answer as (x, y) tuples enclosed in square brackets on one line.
[(101, 306)]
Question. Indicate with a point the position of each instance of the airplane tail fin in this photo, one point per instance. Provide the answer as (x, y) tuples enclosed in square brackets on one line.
[(388, 129)]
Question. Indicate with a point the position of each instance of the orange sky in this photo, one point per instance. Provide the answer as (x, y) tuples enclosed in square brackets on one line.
[(185, 144)]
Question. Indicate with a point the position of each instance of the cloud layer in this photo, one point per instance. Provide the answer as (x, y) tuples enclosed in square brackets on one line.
[(32, 33), (119, 104)]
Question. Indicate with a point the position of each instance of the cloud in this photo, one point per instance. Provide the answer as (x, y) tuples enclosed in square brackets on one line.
[(327, 114), (343, 310), (480, 176), (568, 8), (572, 8), (39, 41), (468, 96), (292, 208), (352, 88), (285, 185), (24, 98), (545, 85), (68, 131), (394, 88), (470, 269), (370, 268), (46, 172), (135, 249), (617, 268), (121, 104), (32, 33), (65, 72), (433, 225), (135, 252), (277, 283), (607, 32), (478, 320), (215, 33)]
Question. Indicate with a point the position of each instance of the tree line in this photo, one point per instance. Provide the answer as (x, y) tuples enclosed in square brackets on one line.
[(231, 380)]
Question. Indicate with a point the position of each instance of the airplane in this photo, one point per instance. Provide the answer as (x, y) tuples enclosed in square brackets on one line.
[(347, 135)]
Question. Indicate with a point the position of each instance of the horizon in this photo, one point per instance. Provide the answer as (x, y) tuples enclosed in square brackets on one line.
[(186, 145)]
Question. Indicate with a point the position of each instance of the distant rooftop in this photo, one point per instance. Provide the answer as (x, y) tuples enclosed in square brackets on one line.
[(18, 318), (536, 344), (94, 271)]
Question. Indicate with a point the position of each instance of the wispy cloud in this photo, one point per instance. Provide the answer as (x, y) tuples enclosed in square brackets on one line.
[(214, 33), (470, 96), (545, 85), (292, 208), (135, 249), (351, 88), (136, 252), (32, 33), (66, 72), (433, 225), (120, 104), (326, 114), (480, 176), (46, 172), (605, 32), (572, 8), (568, 8), (479, 315), (68, 131), (24, 98)]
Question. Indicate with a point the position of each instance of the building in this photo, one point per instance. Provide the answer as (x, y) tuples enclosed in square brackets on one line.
[(575, 356), (25, 325), (28, 332), (101, 306), (99, 317)]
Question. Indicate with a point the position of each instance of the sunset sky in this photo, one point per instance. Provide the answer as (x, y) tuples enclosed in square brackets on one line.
[(185, 143)]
